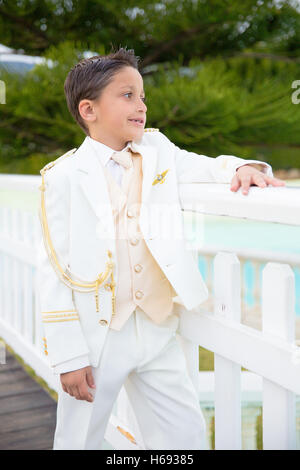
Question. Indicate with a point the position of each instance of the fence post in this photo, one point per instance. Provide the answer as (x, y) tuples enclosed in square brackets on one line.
[(28, 286), (227, 302), (191, 350), (278, 303)]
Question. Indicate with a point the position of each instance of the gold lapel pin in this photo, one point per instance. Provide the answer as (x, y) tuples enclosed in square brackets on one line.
[(160, 177)]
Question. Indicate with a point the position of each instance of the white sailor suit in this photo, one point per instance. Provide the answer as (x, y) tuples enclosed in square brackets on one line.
[(94, 206)]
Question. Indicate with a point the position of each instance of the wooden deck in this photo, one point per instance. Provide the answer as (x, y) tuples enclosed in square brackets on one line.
[(27, 412)]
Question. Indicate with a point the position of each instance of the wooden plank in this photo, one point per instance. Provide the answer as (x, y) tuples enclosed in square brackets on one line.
[(10, 362), (12, 375), (27, 412), (12, 367), (24, 401), (25, 385), (38, 438), (26, 419)]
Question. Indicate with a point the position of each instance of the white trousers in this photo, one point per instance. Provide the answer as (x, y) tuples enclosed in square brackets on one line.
[(148, 359)]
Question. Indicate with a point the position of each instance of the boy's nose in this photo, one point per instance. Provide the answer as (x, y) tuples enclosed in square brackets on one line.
[(143, 105)]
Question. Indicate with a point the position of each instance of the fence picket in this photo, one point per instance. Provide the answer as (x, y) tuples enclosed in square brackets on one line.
[(227, 373), (279, 410)]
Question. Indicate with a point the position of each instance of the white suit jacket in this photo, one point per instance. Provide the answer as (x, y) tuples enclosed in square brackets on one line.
[(81, 226)]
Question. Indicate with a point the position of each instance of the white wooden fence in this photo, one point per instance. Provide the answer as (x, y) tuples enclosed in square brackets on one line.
[(271, 352)]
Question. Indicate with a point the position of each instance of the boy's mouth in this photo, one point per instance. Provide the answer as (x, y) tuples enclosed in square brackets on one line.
[(137, 122)]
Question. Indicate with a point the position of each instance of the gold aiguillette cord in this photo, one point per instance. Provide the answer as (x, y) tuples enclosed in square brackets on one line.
[(69, 280)]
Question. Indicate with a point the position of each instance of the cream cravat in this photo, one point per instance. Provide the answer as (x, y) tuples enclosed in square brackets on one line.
[(123, 158)]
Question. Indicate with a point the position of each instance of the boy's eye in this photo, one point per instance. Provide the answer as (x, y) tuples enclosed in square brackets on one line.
[(129, 93)]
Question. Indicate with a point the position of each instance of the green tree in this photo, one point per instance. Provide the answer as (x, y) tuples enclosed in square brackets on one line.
[(234, 106), (217, 74), (158, 31)]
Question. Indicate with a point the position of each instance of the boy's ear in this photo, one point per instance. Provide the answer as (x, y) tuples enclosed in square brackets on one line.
[(86, 110)]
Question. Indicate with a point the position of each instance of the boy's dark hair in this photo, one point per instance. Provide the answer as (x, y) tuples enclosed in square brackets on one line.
[(88, 78)]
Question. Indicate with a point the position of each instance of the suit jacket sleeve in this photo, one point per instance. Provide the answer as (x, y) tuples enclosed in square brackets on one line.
[(61, 322), (194, 168), (72, 364)]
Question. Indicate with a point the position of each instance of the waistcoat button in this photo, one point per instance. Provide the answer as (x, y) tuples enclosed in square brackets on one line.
[(138, 268), (139, 294), (130, 213), (103, 322), (134, 241)]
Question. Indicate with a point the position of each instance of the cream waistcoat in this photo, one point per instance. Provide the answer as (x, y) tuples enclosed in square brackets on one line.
[(140, 280)]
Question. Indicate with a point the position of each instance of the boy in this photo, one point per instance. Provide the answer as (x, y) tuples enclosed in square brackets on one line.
[(108, 284)]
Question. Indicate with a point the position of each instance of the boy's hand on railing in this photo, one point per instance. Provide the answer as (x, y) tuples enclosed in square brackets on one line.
[(248, 175), (76, 383)]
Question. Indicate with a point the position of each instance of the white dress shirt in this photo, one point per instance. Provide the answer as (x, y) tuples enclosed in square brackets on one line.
[(104, 153)]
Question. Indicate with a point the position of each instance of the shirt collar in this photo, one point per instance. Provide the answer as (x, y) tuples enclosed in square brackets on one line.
[(104, 152)]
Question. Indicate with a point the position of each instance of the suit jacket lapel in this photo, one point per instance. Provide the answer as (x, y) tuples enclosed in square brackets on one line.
[(93, 182), (149, 163)]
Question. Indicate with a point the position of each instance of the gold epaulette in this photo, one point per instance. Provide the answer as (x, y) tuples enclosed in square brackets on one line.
[(150, 129), (54, 162)]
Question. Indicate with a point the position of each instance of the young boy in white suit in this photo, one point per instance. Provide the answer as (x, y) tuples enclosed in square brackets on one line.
[(108, 283)]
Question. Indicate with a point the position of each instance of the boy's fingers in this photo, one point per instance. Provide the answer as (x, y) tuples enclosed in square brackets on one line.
[(259, 181), (235, 183), (77, 393), (246, 184), (85, 394), (274, 181), (73, 391), (90, 379)]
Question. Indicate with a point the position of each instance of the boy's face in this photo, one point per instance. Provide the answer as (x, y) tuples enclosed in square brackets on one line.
[(111, 115)]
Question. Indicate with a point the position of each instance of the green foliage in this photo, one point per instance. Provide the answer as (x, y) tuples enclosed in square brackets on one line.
[(158, 31), (35, 124), (213, 434), (219, 106), (259, 432), (220, 110), (217, 74), (206, 360)]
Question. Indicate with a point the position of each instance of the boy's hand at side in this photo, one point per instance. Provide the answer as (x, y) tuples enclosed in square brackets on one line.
[(76, 383), (249, 174)]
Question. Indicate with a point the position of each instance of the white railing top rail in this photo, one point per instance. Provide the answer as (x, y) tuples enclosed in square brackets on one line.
[(270, 204), (15, 182)]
